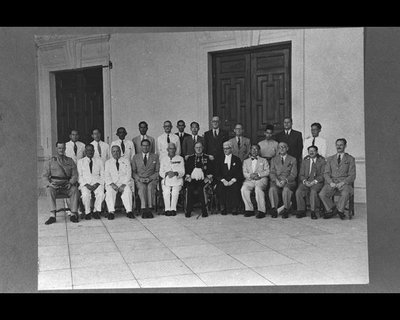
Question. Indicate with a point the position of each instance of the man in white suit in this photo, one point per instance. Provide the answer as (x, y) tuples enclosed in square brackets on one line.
[(91, 181), (101, 148), (118, 179), (255, 172), (74, 148), (166, 138)]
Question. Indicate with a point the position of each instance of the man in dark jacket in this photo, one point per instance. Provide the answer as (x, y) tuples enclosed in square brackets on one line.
[(214, 138)]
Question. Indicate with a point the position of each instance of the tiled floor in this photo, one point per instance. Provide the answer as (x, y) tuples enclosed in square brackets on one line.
[(214, 251)]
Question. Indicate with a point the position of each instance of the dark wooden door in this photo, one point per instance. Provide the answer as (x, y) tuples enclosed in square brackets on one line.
[(79, 97), (252, 86)]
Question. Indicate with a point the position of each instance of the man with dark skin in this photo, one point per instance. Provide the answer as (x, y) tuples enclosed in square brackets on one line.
[(143, 127), (126, 146), (181, 132)]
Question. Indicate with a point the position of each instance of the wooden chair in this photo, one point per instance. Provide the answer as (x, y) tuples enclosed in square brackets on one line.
[(65, 207), (349, 207)]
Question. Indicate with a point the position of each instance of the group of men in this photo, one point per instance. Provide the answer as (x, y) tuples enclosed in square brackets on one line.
[(231, 168)]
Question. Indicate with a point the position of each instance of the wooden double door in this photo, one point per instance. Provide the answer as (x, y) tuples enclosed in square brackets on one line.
[(252, 86)]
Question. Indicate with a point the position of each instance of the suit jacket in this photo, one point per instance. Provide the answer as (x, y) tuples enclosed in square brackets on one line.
[(205, 163), (346, 171), (53, 168), (119, 177), (286, 171), (87, 177), (294, 141), (176, 164), (69, 150), (305, 170), (262, 168), (235, 171), (213, 146), (188, 145), (183, 138), (150, 170), (129, 148), (244, 150), (137, 140)]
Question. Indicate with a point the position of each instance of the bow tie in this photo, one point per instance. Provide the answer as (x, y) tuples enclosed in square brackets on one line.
[(254, 158)]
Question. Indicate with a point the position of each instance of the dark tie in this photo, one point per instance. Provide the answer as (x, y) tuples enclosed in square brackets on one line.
[(145, 160), (238, 143), (313, 142), (215, 133), (338, 160), (194, 139), (123, 146), (253, 158), (168, 140), (98, 148), (90, 165), (117, 164), (283, 161), (75, 148), (287, 133)]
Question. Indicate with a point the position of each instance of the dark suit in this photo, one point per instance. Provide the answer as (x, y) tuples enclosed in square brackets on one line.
[(197, 186), (295, 143), (230, 196), (213, 146), (181, 140), (187, 146)]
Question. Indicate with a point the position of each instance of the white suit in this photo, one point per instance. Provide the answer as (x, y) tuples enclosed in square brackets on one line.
[(69, 150), (171, 186)]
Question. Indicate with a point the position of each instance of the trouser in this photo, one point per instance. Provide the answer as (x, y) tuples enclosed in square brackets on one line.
[(328, 192), (195, 186), (228, 196), (126, 198), (170, 194), (304, 191), (87, 195), (259, 186), (72, 193), (146, 193), (287, 192)]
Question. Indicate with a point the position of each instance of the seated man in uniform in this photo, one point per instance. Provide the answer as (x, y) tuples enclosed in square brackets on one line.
[(91, 181), (145, 169), (283, 175), (60, 176), (339, 174), (255, 172), (117, 176), (311, 180), (172, 169), (199, 171), (229, 176)]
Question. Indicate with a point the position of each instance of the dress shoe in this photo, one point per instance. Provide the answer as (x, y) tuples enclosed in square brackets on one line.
[(330, 214), (188, 214), (111, 216), (51, 220), (260, 215), (285, 214), (274, 213), (341, 215), (82, 216), (204, 214), (167, 213), (74, 218), (88, 216), (249, 213), (235, 213), (150, 214), (173, 213), (130, 215), (313, 215), (96, 215), (223, 212), (301, 214)]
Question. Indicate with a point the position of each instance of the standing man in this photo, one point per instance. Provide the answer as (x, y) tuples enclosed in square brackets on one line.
[(143, 127), (172, 170), (255, 172), (315, 140), (268, 146), (339, 174), (199, 169), (229, 176), (283, 180), (91, 181), (101, 148), (240, 144), (126, 146), (60, 177), (191, 140), (145, 169), (74, 149), (118, 178), (214, 138), (181, 132), (311, 180), (166, 138)]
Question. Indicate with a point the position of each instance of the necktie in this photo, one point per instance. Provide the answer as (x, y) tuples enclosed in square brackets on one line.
[(117, 164), (194, 139), (145, 160), (287, 133), (338, 160), (90, 165), (168, 140), (98, 148), (238, 143), (75, 148), (215, 133), (283, 161), (254, 158), (313, 142), (122, 146)]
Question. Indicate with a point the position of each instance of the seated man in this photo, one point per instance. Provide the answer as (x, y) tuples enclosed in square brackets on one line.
[(199, 169), (145, 169), (60, 176), (255, 172), (117, 176), (91, 181), (283, 179), (311, 180), (229, 175), (172, 169), (339, 174)]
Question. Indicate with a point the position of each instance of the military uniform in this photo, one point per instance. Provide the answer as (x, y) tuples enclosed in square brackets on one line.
[(60, 170), (197, 167)]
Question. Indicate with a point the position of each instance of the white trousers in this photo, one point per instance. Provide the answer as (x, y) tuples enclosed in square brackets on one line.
[(259, 186), (126, 198), (86, 197), (170, 195)]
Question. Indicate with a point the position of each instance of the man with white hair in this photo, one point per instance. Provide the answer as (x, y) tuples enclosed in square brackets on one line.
[(172, 169)]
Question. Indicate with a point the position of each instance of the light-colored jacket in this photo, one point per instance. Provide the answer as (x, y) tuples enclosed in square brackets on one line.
[(262, 168), (335, 173), (87, 177), (112, 175), (244, 150), (150, 170), (175, 164)]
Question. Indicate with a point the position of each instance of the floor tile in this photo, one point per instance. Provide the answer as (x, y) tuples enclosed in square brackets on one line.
[(237, 247), (53, 251), (155, 254), (90, 248), (202, 250), (53, 262), (212, 263), (142, 234), (223, 237), (238, 277), (306, 254), (154, 269), (187, 280), (182, 241), (96, 259), (52, 241), (139, 244), (101, 274), (55, 280), (263, 258), (130, 284), (89, 238), (284, 243)]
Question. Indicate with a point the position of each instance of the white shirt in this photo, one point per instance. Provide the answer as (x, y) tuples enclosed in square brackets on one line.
[(319, 142), (69, 150), (228, 159), (112, 175), (87, 177), (175, 164), (215, 131), (146, 154), (129, 148), (162, 144), (104, 148), (288, 131), (284, 157), (195, 137)]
